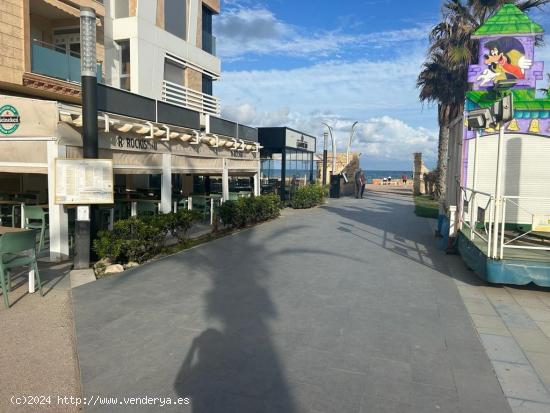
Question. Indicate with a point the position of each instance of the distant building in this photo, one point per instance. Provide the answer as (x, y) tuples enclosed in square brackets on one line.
[(286, 160)]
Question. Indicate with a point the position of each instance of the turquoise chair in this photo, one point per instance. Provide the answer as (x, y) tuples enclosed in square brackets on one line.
[(35, 218), (12, 245)]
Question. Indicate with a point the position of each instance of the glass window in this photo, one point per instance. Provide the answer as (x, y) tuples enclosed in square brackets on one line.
[(207, 85), (174, 72), (122, 9), (174, 17), (124, 49)]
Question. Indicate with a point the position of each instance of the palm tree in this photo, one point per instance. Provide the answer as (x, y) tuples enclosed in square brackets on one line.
[(451, 51), (442, 84)]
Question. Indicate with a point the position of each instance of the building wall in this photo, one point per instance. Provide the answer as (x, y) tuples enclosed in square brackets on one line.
[(525, 173), (150, 43), (12, 39), (17, 30), (212, 4)]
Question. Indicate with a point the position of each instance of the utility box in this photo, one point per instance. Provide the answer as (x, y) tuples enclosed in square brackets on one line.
[(335, 186)]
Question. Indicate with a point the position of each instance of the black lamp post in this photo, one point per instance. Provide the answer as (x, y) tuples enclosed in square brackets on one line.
[(325, 152), (90, 147)]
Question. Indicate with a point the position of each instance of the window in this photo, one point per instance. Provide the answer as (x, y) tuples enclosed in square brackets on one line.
[(175, 17), (207, 85), (124, 49), (122, 9), (208, 40), (174, 72)]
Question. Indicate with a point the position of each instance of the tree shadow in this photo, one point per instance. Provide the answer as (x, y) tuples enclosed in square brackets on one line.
[(389, 223)]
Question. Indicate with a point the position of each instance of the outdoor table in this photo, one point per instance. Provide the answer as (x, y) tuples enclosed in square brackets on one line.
[(5, 230)]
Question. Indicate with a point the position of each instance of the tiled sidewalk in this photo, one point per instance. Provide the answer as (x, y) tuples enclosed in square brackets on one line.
[(513, 324), (38, 356)]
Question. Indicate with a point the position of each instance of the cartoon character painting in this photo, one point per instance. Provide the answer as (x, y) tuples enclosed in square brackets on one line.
[(506, 60)]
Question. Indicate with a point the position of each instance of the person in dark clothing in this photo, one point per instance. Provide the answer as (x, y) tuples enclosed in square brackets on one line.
[(357, 180), (363, 182)]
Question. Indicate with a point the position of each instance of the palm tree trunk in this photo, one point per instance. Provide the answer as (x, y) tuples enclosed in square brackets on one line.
[(444, 133), (442, 150)]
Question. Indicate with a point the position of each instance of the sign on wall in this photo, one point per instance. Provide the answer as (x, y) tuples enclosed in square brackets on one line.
[(9, 119), (84, 181)]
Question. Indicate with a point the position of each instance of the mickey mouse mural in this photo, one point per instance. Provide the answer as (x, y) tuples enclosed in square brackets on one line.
[(505, 59)]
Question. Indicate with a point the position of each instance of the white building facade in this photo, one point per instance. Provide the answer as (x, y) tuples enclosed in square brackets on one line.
[(164, 50)]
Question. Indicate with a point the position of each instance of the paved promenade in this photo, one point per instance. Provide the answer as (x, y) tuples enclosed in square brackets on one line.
[(346, 308)]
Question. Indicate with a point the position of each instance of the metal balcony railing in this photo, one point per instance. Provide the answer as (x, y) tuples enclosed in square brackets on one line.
[(209, 43), (54, 61), (190, 99)]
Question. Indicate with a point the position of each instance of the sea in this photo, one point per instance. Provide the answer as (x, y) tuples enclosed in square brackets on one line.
[(379, 174)]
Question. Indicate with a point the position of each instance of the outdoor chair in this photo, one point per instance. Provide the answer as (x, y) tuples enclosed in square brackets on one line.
[(12, 247), (146, 208), (35, 218), (203, 204), (6, 211)]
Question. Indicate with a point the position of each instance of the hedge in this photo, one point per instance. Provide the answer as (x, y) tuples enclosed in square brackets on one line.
[(308, 196), (141, 238), (246, 211)]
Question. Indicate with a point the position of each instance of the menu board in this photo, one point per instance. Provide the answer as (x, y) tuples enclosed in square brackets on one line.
[(84, 181)]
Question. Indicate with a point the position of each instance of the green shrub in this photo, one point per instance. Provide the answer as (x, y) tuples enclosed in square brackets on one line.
[(141, 238), (308, 196), (246, 211)]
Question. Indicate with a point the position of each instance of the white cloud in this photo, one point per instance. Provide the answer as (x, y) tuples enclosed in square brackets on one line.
[(243, 31), (380, 93)]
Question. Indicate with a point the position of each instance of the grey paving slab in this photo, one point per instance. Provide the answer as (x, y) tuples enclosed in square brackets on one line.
[(501, 348), (520, 381), (345, 308), (527, 406)]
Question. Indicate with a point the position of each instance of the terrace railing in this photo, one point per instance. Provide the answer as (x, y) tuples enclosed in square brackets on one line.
[(190, 99), (538, 209), (54, 61), (477, 216)]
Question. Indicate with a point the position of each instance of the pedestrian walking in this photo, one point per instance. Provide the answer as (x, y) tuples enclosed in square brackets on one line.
[(357, 181), (363, 182), (405, 179)]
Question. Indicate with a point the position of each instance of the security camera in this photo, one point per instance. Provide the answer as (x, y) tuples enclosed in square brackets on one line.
[(480, 119)]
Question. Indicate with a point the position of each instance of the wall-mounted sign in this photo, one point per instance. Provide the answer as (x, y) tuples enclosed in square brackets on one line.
[(302, 144), (84, 181), (146, 145), (9, 119), (299, 140)]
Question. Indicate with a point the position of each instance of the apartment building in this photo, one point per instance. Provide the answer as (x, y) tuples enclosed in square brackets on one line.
[(162, 49)]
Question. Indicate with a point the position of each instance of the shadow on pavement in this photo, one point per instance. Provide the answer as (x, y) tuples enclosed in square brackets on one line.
[(387, 223)]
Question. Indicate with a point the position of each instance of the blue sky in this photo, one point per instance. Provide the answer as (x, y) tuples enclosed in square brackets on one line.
[(300, 63)]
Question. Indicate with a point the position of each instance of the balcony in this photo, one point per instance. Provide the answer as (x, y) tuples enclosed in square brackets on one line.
[(209, 43), (52, 61), (190, 99)]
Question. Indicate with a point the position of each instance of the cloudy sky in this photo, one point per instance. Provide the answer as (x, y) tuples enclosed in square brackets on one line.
[(300, 63)]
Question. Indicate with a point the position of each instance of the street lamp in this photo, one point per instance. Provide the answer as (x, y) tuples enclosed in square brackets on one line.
[(325, 144), (333, 148), (349, 142), (90, 147)]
